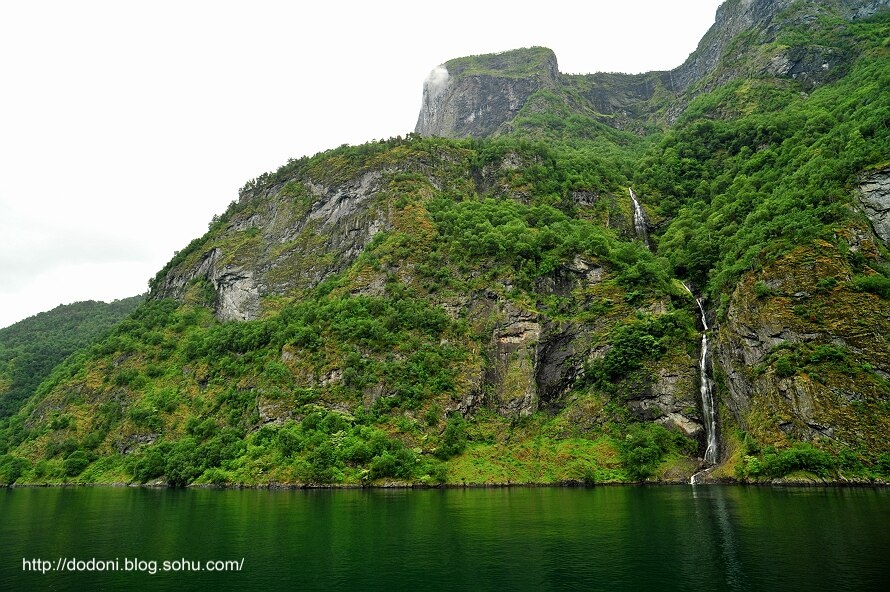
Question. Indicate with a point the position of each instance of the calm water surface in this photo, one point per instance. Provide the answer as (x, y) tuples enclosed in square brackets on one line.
[(604, 538)]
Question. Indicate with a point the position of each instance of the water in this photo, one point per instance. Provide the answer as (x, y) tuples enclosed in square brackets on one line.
[(604, 538), (706, 390), (639, 218)]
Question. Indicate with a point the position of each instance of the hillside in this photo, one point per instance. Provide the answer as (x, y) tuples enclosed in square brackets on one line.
[(31, 348), (507, 295)]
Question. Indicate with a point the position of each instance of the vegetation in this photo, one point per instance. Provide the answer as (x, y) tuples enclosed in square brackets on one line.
[(754, 169), (504, 324), (517, 63), (31, 348)]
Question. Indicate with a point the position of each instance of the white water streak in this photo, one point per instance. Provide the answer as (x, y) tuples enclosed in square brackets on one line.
[(708, 403), (639, 218)]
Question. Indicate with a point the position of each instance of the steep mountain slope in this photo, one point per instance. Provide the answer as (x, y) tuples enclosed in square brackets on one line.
[(522, 91), (483, 310)]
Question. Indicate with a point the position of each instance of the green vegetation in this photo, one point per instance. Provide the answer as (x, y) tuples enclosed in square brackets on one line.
[(503, 324), (517, 63), (753, 169), (802, 459), (645, 446), (31, 348), (535, 240), (633, 343)]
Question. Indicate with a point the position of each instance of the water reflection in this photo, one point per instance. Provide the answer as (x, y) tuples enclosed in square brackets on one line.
[(717, 523), (605, 538)]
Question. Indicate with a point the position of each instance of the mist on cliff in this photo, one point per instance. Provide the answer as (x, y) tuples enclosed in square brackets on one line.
[(436, 80)]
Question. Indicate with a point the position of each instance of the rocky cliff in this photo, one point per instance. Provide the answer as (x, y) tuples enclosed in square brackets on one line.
[(477, 96), (312, 220), (751, 37), (874, 198), (482, 95), (803, 353), (282, 238)]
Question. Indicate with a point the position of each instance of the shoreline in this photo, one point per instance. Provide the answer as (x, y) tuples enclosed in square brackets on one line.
[(834, 483)]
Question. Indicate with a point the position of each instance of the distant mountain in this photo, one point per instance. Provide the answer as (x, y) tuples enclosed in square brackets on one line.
[(557, 279), (31, 348)]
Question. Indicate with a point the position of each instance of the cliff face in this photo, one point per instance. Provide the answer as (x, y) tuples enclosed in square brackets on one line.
[(803, 353), (733, 18), (287, 239), (289, 233), (480, 96), (746, 39), (874, 198), (477, 96)]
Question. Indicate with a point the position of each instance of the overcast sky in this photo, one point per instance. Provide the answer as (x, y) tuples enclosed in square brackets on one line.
[(126, 125)]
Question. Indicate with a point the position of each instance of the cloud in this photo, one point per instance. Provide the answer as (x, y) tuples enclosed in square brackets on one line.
[(436, 82)]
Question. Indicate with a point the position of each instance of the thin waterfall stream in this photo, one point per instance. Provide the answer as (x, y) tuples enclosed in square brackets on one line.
[(639, 218), (706, 390), (708, 404)]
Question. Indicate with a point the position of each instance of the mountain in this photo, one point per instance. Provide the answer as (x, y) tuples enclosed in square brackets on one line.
[(510, 92), (558, 278), (31, 348)]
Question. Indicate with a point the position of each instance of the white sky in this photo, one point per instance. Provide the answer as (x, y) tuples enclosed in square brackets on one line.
[(126, 125)]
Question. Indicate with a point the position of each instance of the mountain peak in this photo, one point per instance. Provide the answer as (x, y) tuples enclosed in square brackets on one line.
[(476, 95)]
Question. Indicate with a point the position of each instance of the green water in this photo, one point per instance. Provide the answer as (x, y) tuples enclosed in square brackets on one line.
[(605, 538)]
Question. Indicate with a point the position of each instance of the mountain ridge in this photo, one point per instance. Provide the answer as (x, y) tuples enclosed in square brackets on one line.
[(482, 101)]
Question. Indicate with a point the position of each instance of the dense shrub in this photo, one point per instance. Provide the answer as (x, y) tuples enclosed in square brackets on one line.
[(75, 463), (11, 468), (454, 438), (645, 445), (802, 456), (875, 283)]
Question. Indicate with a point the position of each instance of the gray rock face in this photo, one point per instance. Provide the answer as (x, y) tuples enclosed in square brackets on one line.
[(237, 296), (514, 345), (460, 101), (285, 239), (808, 398), (737, 16), (810, 66), (671, 400), (481, 96), (797, 402), (477, 99), (874, 197), (733, 17), (622, 100)]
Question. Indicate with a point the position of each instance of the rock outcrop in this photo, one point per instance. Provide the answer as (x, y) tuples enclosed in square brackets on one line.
[(874, 197), (477, 96), (287, 238), (803, 359), (762, 21)]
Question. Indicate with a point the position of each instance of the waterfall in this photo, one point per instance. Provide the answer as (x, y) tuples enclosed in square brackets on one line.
[(639, 218), (708, 405), (707, 393)]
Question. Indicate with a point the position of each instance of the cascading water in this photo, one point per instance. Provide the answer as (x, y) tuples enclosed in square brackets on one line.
[(707, 393), (639, 218), (708, 405)]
